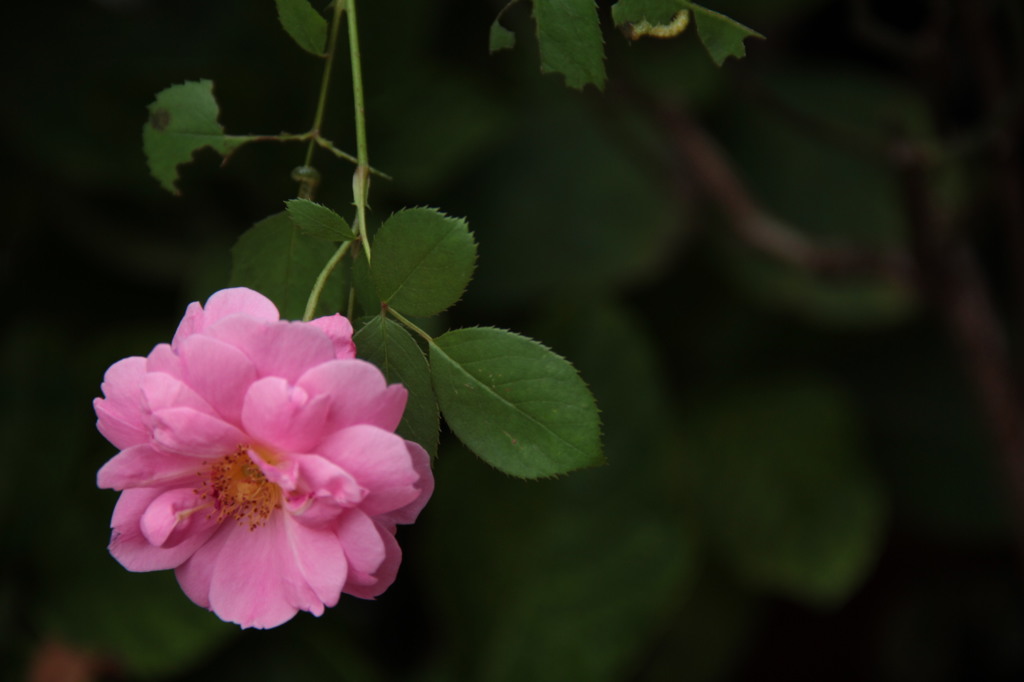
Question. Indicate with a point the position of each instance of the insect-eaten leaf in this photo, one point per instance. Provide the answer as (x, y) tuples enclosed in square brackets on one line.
[(650, 11), (516, 404), (722, 36), (570, 41), (305, 25), (670, 29), (501, 38), (182, 120), (422, 261), (318, 221)]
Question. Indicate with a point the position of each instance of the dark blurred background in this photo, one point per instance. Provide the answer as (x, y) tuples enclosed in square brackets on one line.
[(794, 284)]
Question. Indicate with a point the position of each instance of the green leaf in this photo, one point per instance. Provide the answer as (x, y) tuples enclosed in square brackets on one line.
[(570, 41), (501, 38), (389, 346), (277, 259), (367, 300), (722, 36), (422, 261), (318, 221), (786, 493), (182, 120), (655, 12), (516, 404), (304, 24)]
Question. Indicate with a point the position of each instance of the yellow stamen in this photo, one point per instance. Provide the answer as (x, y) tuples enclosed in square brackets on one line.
[(238, 489)]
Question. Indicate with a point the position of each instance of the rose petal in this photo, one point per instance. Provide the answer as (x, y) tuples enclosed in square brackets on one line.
[(185, 431), (120, 433), (284, 417), (143, 467), (262, 578), (280, 349), (365, 550), (218, 372), (195, 574), (190, 323), (425, 486), (380, 462), (121, 417), (323, 491), (368, 586), (163, 359), (130, 547), (238, 300), (161, 391), (175, 516), (339, 329), (358, 392)]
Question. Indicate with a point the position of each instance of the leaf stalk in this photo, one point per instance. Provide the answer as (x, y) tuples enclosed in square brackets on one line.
[(321, 280)]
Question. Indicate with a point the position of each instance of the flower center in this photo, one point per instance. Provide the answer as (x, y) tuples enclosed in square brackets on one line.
[(238, 489)]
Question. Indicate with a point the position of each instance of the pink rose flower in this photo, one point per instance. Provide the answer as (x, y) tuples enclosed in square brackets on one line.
[(258, 459)]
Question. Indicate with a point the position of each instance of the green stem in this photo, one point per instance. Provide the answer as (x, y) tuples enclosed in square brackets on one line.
[(401, 318), (325, 82), (351, 302), (321, 281), (361, 179)]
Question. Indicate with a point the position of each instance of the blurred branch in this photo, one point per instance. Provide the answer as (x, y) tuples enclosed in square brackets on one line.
[(921, 45), (952, 279), (753, 224), (1004, 113), (947, 270)]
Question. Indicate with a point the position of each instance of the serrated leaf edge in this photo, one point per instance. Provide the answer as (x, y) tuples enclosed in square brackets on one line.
[(591, 403), (472, 237)]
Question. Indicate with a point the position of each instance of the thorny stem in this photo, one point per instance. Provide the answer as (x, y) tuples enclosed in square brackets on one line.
[(321, 281), (325, 81), (361, 179)]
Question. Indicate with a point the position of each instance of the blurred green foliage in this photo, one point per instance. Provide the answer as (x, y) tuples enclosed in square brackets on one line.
[(799, 483)]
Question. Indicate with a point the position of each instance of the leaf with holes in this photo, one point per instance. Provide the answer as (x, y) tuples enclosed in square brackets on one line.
[(722, 36), (570, 41), (183, 120), (389, 346), (516, 404), (422, 261), (655, 18), (656, 12), (501, 38)]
